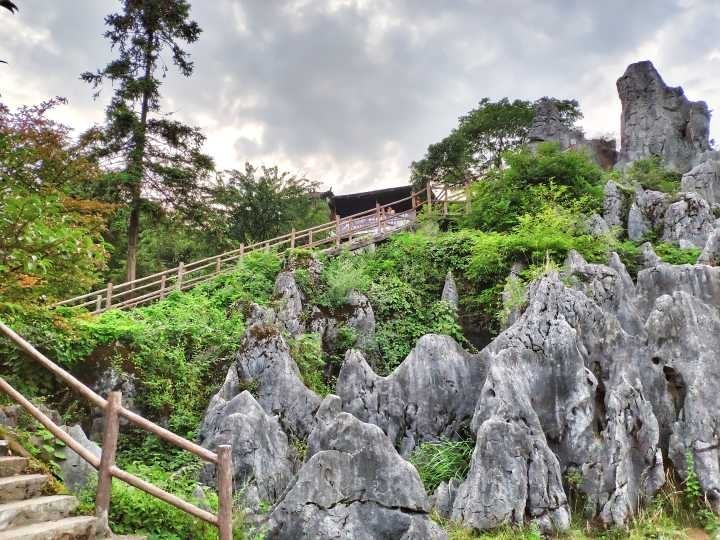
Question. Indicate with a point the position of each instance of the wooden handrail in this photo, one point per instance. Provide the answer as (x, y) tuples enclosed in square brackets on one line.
[(105, 464), (124, 295)]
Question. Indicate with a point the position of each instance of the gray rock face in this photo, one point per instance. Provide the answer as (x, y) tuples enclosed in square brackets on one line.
[(597, 226), (353, 486), (658, 120), (76, 472), (646, 213), (361, 319), (432, 394), (614, 206), (450, 291), (688, 222), (113, 380), (648, 257), (711, 252), (290, 300), (704, 180), (264, 366), (259, 447)]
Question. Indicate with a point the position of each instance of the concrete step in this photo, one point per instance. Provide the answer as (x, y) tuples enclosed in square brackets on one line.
[(12, 465), (21, 487), (37, 510), (76, 528)]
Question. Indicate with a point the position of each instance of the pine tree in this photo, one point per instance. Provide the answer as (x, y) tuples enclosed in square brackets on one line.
[(157, 159)]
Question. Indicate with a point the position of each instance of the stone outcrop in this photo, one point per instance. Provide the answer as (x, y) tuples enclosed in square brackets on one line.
[(646, 213), (354, 485), (76, 472), (658, 120), (290, 303), (450, 291), (262, 467), (688, 222), (615, 206), (361, 318), (547, 125), (431, 395), (264, 366), (704, 180), (711, 252)]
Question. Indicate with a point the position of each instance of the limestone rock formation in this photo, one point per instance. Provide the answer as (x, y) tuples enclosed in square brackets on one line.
[(432, 394), (450, 291), (711, 252), (361, 318), (646, 213), (614, 205), (704, 180), (354, 485), (110, 380), (648, 257), (290, 300), (658, 120), (264, 365), (688, 222), (76, 472), (262, 468)]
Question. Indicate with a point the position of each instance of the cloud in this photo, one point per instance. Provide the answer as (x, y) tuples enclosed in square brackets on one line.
[(349, 92)]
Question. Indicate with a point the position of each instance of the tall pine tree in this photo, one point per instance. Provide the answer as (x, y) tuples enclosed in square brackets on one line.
[(157, 159)]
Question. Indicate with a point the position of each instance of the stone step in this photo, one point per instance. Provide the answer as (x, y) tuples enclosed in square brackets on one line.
[(75, 528), (12, 465), (4, 448), (20, 487), (37, 510)]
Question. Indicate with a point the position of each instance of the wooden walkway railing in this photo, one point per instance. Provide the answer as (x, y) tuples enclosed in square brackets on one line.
[(353, 231), (105, 465)]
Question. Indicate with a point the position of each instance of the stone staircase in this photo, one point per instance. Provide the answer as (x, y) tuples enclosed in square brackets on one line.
[(25, 514)]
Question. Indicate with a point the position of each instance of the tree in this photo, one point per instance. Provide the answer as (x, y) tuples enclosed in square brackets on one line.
[(264, 203), (481, 139), (51, 241), (154, 158)]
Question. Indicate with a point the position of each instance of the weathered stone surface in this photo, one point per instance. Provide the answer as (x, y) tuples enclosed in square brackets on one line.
[(513, 296), (444, 497), (77, 472), (646, 213), (711, 252), (264, 366), (450, 291), (688, 222), (353, 486), (700, 281), (648, 257), (290, 303), (684, 338), (361, 319), (615, 205), (597, 226), (658, 120), (432, 394), (704, 180), (259, 447), (113, 380)]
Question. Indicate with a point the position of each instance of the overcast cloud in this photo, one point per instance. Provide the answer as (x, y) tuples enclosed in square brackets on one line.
[(349, 92)]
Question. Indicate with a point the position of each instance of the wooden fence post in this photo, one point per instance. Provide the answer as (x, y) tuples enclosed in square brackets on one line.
[(445, 201), (428, 190), (107, 460), (218, 263), (225, 491), (378, 217), (163, 279), (467, 197), (180, 272), (310, 239), (292, 238), (242, 250), (108, 297), (337, 231), (98, 303)]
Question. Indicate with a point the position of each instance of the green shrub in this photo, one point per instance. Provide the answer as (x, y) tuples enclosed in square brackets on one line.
[(441, 461), (672, 254), (306, 350), (342, 275), (650, 173)]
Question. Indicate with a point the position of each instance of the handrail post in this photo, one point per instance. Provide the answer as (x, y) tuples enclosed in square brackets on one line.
[(218, 263), (428, 190), (180, 272), (445, 201), (98, 303), (378, 217), (337, 231), (108, 296), (107, 460), (163, 279), (242, 250), (225, 491), (292, 238), (310, 239), (467, 197)]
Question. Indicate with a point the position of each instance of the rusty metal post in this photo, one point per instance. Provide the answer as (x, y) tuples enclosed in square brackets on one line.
[(107, 460), (225, 491)]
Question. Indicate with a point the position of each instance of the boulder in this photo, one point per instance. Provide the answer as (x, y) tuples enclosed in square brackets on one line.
[(354, 485), (711, 252), (111, 380), (704, 179), (431, 395), (688, 222), (76, 472), (597, 226), (615, 205), (646, 213), (658, 120), (290, 303), (260, 448)]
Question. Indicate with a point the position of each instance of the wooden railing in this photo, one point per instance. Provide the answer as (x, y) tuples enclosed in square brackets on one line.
[(351, 231), (105, 464)]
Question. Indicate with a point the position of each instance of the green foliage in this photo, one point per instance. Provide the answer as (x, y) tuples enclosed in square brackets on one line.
[(650, 173), (306, 350), (342, 275), (441, 461), (672, 254)]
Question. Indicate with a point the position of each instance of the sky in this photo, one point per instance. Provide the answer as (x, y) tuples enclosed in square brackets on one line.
[(350, 92)]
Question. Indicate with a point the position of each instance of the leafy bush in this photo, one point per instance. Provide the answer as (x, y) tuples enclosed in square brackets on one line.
[(440, 461), (672, 254), (650, 173), (306, 350), (341, 276)]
